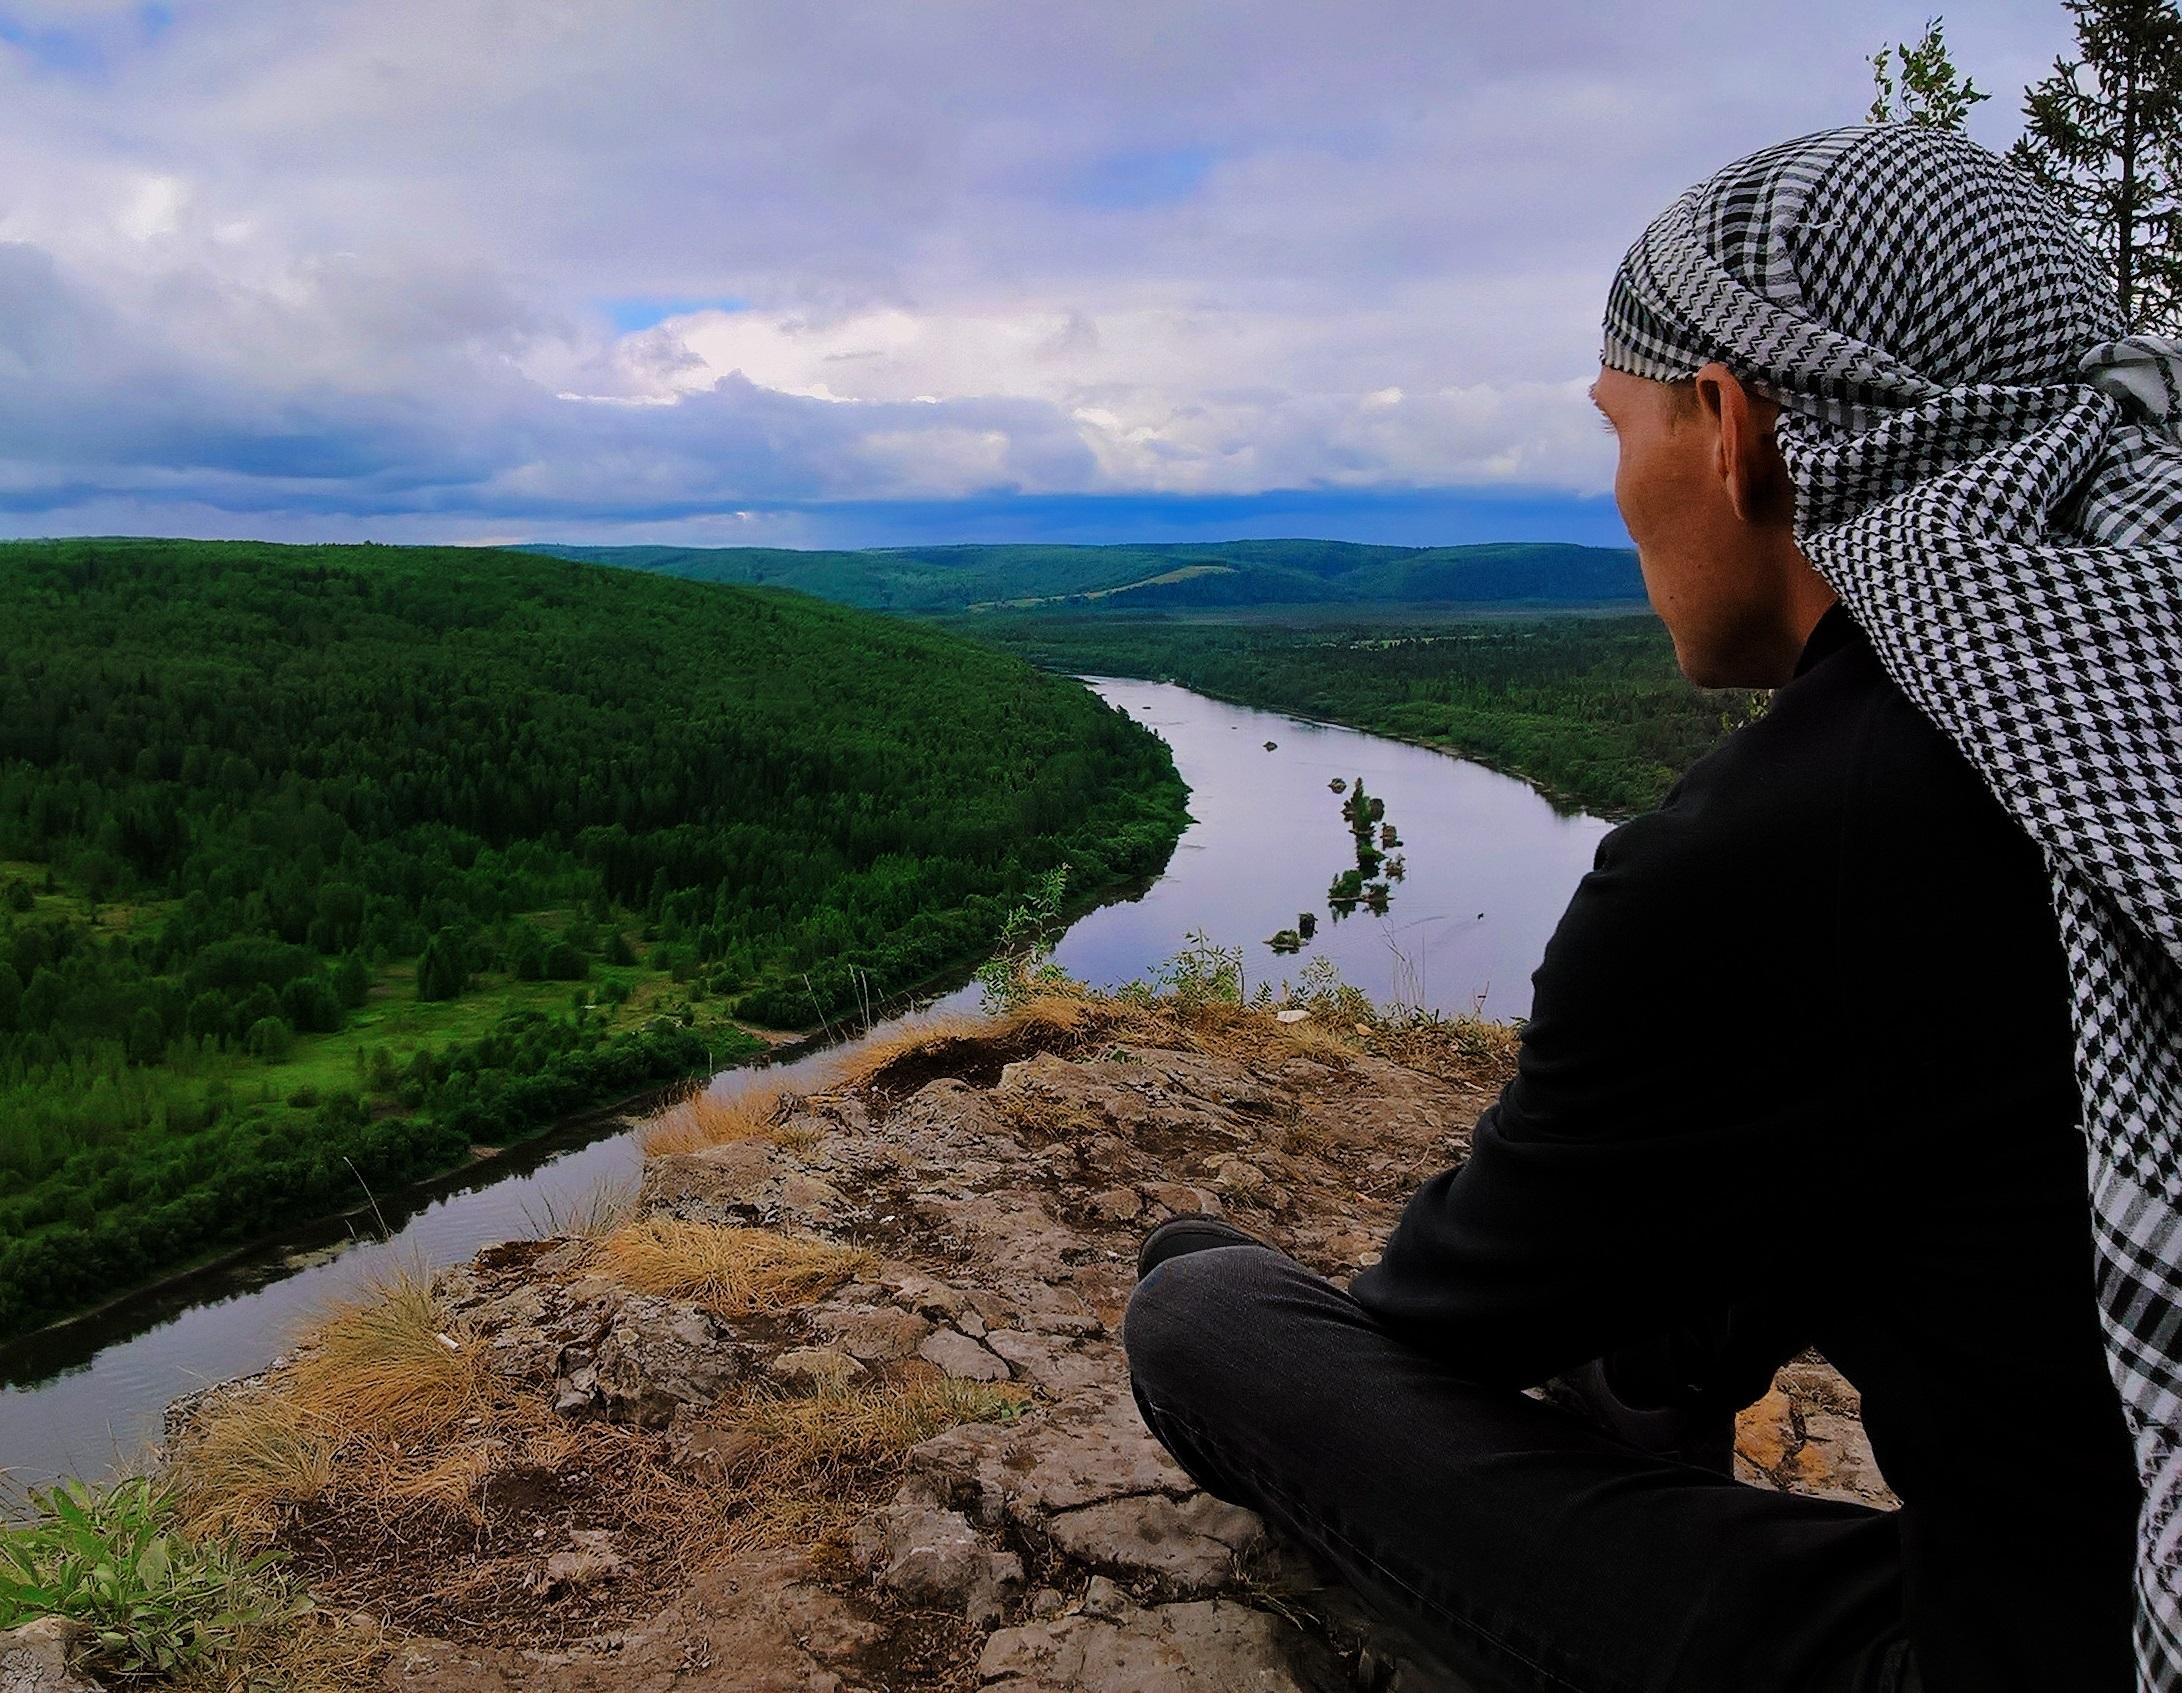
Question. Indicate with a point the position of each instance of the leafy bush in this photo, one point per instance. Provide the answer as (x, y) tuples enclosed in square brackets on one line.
[(1022, 967), (157, 1603)]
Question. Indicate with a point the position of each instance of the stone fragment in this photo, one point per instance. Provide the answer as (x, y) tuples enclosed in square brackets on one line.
[(1178, 1199), (1191, 1547), (655, 1356), (874, 1334), (1103, 1596), (810, 1200), (1055, 1365), (590, 1558), (1114, 1204), (931, 1556), (1198, 1646), (1765, 1433), (1105, 1287), (915, 1291), (734, 1182), (34, 1658), (961, 1357), (1835, 1461), (1049, 1463), (1241, 1178)]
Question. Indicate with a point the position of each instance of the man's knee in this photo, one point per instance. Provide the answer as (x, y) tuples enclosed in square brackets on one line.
[(1193, 1317)]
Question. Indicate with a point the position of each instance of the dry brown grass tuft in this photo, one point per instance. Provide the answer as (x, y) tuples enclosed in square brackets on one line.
[(1324, 1042), (937, 1045), (247, 1458), (705, 1119), (1469, 1050), (871, 1058), (734, 1272), (381, 1380), (390, 1362), (600, 1209), (319, 1654), (805, 1465)]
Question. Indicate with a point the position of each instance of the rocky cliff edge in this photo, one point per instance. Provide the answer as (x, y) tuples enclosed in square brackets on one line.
[(837, 1402)]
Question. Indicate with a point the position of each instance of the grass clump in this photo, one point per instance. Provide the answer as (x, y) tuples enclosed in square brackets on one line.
[(705, 1119), (247, 1460), (157, 1602), (599, 1210), (806, 1465), (389, 1362), (378, 1383), (732, 1272)]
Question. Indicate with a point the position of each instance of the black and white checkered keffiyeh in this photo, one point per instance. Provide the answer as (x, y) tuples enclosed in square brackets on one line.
[(1989, 474)]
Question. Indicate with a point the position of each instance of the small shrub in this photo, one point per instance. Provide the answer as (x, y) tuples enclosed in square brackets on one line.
[(1023, 968), (269, 1038), (158, 1603)]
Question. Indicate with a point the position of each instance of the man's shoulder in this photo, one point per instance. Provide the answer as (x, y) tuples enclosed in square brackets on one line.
[(1839, 743)]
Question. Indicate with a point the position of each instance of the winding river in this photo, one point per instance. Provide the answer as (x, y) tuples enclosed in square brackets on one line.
[(1490, 864)]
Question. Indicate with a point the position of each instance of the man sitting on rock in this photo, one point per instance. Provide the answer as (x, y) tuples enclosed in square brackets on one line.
[(1820, 1045)]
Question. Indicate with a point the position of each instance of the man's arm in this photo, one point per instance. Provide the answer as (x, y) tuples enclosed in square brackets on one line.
[(1631, 1190)]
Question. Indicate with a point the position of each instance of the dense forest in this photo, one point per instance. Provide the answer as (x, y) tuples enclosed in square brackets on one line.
[(319, 865), (1591, 709), (1142, 576)]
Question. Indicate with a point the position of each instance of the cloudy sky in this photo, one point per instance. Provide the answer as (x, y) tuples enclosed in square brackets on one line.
[(727, 272)]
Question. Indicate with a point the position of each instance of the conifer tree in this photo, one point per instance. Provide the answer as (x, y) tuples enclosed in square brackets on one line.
[(2104, 136)]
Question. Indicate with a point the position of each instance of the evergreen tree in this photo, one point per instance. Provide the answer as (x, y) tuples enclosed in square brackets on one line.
[(2104, 136), (439, 971), (1924, 89)]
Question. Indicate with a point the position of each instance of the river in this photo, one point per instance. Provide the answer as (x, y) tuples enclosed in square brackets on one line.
[(1490, 864)]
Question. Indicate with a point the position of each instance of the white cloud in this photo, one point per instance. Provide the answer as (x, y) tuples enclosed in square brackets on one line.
[(350, 262)]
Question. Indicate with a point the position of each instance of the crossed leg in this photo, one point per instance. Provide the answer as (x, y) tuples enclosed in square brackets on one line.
[(1525, 1547)]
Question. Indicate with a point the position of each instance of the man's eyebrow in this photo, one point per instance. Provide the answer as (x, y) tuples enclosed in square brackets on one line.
[(1592, 394)]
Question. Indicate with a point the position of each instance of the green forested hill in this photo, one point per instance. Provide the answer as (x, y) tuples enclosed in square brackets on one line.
[(937, 580), (311, 855)]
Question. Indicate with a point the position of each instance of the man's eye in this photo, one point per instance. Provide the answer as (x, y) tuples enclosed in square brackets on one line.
[(1607, 424)]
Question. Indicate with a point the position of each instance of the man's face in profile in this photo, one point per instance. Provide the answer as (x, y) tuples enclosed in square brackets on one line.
[(1701, 490)]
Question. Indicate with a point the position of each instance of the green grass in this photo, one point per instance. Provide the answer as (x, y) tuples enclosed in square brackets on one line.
[(396, 1019)]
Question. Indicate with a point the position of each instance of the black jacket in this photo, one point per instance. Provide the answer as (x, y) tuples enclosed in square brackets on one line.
[(1798, 1072)]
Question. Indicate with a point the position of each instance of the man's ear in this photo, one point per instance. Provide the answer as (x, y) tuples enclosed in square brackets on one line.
[(1739, 449)]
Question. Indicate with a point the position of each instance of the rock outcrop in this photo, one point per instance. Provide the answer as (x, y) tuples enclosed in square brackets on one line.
[(1055, 1549)]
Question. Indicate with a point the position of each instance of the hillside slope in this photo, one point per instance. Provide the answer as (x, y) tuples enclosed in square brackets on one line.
[(322, 864), (937, 580)]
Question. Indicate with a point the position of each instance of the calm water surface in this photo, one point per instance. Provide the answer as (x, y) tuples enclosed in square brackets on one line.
[(1490, 866)]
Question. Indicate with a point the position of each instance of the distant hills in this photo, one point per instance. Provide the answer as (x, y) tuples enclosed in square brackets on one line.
[(1195, 575)]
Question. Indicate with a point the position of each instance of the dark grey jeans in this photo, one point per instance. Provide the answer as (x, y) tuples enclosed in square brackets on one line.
[(1525, 1547)]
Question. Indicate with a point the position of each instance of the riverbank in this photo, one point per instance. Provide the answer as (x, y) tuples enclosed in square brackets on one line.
[(396, 828), (1590, 710), (728, 1043), (839, 1402)]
